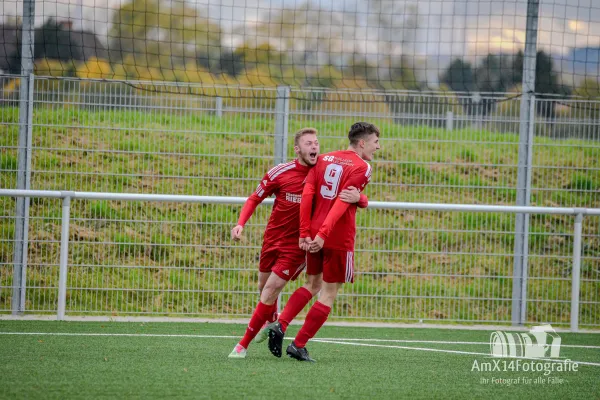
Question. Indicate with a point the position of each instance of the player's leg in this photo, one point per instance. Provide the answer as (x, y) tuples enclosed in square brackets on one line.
[(269, 296), (287, 266), (263, 277), (297, 301), (316, 317), (268, 258), (262, 312), (338, 267), (290, 264)]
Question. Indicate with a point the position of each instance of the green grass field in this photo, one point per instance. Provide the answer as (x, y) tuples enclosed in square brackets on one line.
[(45, 359)]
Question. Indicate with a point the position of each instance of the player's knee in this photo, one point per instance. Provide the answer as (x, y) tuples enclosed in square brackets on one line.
[(275, 283), (271, 290), (269, 295), (328, 294), (313, 286)]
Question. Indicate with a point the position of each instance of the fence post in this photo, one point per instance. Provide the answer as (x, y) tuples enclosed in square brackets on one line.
[(527, 114), (24, 159), (282, 113), (219, 106), (449, 121), (64, 256), (576, 273)]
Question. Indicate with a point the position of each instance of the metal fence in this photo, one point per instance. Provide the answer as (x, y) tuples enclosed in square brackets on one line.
[(202, 276), (171, 258)]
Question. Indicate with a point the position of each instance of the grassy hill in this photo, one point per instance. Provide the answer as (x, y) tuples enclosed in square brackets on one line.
[(141, 257)]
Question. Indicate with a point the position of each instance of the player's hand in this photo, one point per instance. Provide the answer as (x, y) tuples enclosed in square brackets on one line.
[(303, 243), (316, 245), (236, 233), (350, 195)]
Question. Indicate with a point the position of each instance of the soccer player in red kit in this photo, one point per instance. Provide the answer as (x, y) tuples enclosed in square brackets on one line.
[(281, 260), (332, 224)]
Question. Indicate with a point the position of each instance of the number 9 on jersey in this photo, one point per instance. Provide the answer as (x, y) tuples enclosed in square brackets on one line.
[(333, 173)]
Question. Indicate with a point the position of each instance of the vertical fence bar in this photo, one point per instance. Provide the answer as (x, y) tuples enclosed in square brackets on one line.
[(525, 264), (525, 142), (449, 120), (64, 256), (23, 161), (575, 275), (219, 106), (282, 114), (22, 203)]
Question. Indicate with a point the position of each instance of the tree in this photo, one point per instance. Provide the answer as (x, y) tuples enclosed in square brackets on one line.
[(500, 73), (231, 62), (459, 76), (494, 74), (517, 68), (547, 85), (396, 39), (308, 36), (589, 88), (53, 41), (165, 35), (10, 53)]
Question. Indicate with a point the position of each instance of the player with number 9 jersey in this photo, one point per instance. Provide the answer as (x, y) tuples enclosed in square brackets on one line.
[(321, 211), (334, 171)]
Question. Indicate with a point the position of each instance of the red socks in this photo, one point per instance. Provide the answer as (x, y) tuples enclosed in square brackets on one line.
[(298, 300), (261, 314), (273, 315), (316, 317)]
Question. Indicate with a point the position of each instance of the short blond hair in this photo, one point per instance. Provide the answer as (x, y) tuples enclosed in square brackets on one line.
[(302, 132)]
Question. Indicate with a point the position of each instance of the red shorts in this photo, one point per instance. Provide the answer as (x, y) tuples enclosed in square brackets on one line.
[(286, 263), (337, 266)]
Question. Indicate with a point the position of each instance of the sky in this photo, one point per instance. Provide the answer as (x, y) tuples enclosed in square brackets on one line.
[(448, 28)]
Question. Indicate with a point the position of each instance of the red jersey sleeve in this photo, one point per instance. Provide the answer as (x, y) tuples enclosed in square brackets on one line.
[(264, 189), (360, 179), (336, 212), (308, 194), (363, 202)]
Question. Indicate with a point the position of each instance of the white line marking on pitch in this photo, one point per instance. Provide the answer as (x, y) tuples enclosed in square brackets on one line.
[(448, 351), (349, 341), (235, 337), (439, 342), (119, 334)]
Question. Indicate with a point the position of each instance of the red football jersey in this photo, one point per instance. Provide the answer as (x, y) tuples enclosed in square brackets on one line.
[(286, 181), (320, 210)]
